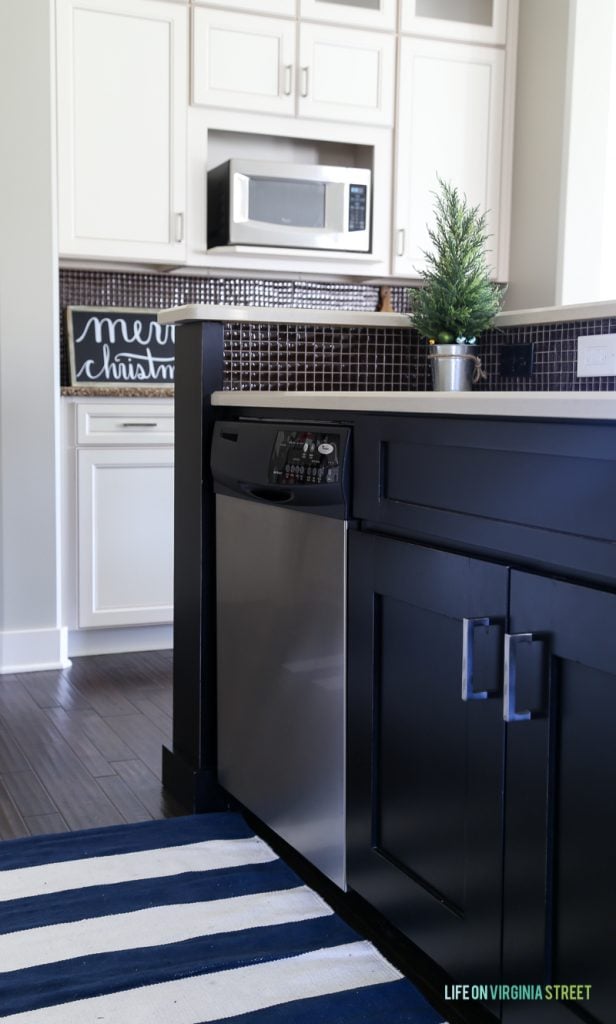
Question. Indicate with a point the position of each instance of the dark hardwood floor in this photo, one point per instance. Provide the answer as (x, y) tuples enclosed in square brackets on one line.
[(81, 747)]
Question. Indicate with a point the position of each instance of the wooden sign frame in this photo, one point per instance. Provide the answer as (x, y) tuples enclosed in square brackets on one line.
[(114, 347)]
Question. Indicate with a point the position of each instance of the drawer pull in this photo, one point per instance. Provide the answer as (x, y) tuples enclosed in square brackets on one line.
[(512, 641), (139, 424), (468, 639)]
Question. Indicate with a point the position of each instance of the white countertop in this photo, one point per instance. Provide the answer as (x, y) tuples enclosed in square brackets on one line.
[(357, 318), (600, 405), (281, 315), (557, 314)]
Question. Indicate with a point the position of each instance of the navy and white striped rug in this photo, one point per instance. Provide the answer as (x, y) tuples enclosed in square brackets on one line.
[(181, 921)]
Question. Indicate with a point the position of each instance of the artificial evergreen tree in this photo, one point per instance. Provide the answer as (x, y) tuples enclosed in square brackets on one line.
[(458, 300)]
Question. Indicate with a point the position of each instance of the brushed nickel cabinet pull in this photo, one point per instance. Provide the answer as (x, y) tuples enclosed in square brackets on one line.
[(179, 227), (401, 242), (127, 424), (468, 637), (288, 79), (304, 88), (512, 642)]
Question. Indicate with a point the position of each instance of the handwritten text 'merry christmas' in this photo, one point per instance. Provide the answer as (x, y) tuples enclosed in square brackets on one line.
[(134, 358)]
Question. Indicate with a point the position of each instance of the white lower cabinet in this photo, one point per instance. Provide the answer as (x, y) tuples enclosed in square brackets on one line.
[(125, 530), (117, 524)]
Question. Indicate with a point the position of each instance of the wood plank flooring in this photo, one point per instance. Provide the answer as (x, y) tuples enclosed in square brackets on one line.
[(82, 747)]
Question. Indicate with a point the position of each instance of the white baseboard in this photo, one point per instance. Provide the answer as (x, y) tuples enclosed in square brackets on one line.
[(33, 650), (82, 642)]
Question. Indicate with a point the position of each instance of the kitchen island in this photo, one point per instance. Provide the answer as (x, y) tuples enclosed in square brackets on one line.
[(481, 675), (482, 679)]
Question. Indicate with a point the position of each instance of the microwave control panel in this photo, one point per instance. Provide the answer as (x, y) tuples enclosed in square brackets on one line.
[(305, 457), (358, 204)]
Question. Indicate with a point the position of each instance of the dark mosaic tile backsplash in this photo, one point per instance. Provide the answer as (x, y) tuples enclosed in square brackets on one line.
[(302, 358)]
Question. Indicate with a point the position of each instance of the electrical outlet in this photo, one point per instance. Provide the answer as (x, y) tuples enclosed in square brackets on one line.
[(516, 360), (596, 355)]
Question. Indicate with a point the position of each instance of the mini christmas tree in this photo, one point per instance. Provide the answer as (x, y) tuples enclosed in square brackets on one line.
[(458, 300)]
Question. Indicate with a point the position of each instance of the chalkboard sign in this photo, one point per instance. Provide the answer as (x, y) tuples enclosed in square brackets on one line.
[(119, 348)]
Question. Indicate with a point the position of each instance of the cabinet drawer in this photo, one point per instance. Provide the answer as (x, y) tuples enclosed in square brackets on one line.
[(542, 493), (143, 423)]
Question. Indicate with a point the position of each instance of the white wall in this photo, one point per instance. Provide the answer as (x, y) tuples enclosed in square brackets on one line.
[(539, 142), (30, 633), (563, 202), (591, 61), (608, 260)]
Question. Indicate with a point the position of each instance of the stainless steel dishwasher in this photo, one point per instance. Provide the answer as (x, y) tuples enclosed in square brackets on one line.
[(281, 543)]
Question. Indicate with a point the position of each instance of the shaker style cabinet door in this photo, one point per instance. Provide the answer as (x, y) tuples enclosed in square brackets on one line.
[(425, 793), (279, 8), (362, 13), (125, 536), (470, 21), (242, 62), (122, 104), (457, 135), (559, 893), (346, 75)]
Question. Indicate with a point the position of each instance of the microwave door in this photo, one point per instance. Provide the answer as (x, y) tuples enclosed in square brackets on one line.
[(295, 212), (278, 211)]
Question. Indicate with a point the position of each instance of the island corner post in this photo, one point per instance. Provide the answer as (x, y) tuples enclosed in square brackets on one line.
[(189, 766)]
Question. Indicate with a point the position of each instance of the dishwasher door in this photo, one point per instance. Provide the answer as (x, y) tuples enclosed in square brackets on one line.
[(281, 672)]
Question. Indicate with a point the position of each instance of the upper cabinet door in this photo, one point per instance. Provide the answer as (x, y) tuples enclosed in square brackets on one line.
[(122, 103), (363, 13), (243, 62), (471, 21), (346, 75), (282, 8), (455, 134)]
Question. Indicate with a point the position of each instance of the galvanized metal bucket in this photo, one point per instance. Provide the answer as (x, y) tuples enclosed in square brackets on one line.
[(454, 368)]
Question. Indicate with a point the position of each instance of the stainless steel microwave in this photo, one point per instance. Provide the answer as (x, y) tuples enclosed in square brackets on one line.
[(257, 202)]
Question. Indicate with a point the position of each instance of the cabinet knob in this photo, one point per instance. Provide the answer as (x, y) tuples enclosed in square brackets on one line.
[(512, 642)]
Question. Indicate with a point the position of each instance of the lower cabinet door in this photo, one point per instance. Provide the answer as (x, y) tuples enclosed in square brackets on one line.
[(560, 894), (425, 811), (125, 524)]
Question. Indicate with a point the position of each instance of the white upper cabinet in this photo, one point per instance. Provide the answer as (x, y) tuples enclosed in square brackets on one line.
[(122, 103), (243, 62), (362, 13), (450, 112), (346, 75), (281, 8), (470, 21)]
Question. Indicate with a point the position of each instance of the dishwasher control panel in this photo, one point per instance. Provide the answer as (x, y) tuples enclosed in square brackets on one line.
[(305, 457)]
